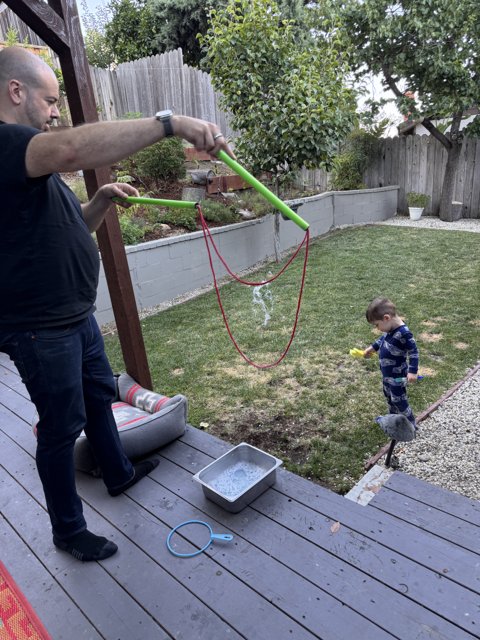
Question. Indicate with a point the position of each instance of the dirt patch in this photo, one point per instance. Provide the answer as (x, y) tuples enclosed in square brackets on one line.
[(461, 345), (427, 371), (431, 337), (282, 436)]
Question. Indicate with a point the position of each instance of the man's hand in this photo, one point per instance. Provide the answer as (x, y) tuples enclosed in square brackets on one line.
[(94, 211), (205, 136), (117, 190)]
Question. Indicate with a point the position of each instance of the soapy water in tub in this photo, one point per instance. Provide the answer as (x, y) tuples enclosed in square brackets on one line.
[(236, 479)]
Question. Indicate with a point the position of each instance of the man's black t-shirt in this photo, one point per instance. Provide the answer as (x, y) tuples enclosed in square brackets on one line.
[(49, 263)]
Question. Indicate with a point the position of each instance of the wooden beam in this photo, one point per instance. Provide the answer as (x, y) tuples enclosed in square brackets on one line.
[(42, 19), (78, 85)]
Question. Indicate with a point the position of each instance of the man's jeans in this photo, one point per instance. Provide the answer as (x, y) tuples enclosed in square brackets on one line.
[(70, 381)]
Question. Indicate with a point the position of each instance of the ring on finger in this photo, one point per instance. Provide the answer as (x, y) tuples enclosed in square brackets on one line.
[(218, 135)]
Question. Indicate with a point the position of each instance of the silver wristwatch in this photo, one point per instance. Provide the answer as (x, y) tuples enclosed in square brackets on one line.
[(165, 118)]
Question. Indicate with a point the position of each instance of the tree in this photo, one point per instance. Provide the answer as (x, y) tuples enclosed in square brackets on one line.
[(289, 102), (97, 46), (177, 24), (131, 30), (428, 52)]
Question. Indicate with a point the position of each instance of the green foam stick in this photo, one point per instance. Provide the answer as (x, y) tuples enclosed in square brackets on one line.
[(261, 188), (177, 204)]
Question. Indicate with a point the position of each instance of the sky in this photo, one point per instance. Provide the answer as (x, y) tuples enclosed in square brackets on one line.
[(91, 4)]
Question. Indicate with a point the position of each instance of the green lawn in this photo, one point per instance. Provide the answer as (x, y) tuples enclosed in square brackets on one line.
[(316, 409)]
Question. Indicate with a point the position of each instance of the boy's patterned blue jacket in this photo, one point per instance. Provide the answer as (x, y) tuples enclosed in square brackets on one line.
[(398, 353)]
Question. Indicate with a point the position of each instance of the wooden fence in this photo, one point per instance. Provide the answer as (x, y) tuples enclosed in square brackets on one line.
[(10, 20), (157, 82), (417, 163)]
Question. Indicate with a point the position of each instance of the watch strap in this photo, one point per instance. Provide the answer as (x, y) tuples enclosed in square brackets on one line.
[(165, 119)]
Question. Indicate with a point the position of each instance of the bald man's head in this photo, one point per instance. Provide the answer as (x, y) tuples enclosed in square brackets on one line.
[(28, 89), (17, 63)]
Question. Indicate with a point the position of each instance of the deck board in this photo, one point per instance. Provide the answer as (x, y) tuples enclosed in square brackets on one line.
[(304, 562), (428, 518), (452, 503)]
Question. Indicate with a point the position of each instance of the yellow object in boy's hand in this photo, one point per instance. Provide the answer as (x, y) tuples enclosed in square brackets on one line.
[(357, 353)]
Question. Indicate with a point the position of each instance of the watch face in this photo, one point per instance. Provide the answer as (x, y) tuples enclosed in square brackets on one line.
[(166, 114)]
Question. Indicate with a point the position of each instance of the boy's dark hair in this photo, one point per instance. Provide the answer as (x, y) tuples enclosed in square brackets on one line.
[(378, 308)]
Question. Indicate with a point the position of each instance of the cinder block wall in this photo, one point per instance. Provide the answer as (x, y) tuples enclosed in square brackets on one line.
[(163, 270)]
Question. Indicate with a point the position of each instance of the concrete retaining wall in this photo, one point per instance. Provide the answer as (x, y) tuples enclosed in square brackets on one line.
[(163, 270)]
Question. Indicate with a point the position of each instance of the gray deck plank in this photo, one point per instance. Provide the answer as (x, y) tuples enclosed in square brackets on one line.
[(428, 518), (297, 532), (7, 363), (39, 587), (453, 503)]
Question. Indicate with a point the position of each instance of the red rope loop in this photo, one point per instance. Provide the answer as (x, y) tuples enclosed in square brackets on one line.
[(208, 238)]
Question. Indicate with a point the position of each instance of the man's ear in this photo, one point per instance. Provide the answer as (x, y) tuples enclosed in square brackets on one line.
[(15, 89)]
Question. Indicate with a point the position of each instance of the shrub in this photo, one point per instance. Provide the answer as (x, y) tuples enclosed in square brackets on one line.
[(162, 161), (132, 231), (180, 217), (415, 199), (359, 150), (214, 211), (255, 202)]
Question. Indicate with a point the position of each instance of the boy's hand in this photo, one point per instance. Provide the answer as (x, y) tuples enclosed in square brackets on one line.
[(368, 352), (411, 377)]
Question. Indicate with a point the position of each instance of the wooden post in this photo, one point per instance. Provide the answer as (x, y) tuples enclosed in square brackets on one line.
[(58, 24)]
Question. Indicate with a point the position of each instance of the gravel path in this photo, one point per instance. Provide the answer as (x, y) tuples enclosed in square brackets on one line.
[(446, 451), (431, 222)]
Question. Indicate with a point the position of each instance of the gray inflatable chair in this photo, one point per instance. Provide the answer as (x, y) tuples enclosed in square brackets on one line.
[(145, 420)]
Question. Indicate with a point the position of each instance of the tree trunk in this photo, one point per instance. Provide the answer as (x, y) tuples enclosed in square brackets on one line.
[(446, 212), (276, 224)]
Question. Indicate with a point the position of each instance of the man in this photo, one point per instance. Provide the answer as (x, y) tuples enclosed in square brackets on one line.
[(49, 268)]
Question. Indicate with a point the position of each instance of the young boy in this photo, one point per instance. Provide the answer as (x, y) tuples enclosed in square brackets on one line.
[(398, 355)]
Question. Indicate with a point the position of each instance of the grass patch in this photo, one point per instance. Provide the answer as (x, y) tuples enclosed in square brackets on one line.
[(316, 409)]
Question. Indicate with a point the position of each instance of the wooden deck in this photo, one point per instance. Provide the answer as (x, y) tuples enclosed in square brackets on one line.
[(304, 562)]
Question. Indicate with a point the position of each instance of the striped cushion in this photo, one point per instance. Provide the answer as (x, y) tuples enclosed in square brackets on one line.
[(145, 420)]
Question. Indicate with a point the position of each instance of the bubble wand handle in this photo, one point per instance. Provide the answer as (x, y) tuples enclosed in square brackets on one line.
[(261, 188), (178, 204)]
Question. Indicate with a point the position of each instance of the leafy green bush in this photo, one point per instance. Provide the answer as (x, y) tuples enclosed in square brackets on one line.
[(132, 231), (358, 152), (160, 162), (415, 199), (180, 217), (255, 202), (214, 211)]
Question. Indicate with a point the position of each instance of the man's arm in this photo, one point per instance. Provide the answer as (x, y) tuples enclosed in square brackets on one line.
[(103, 143), (94, 210)]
